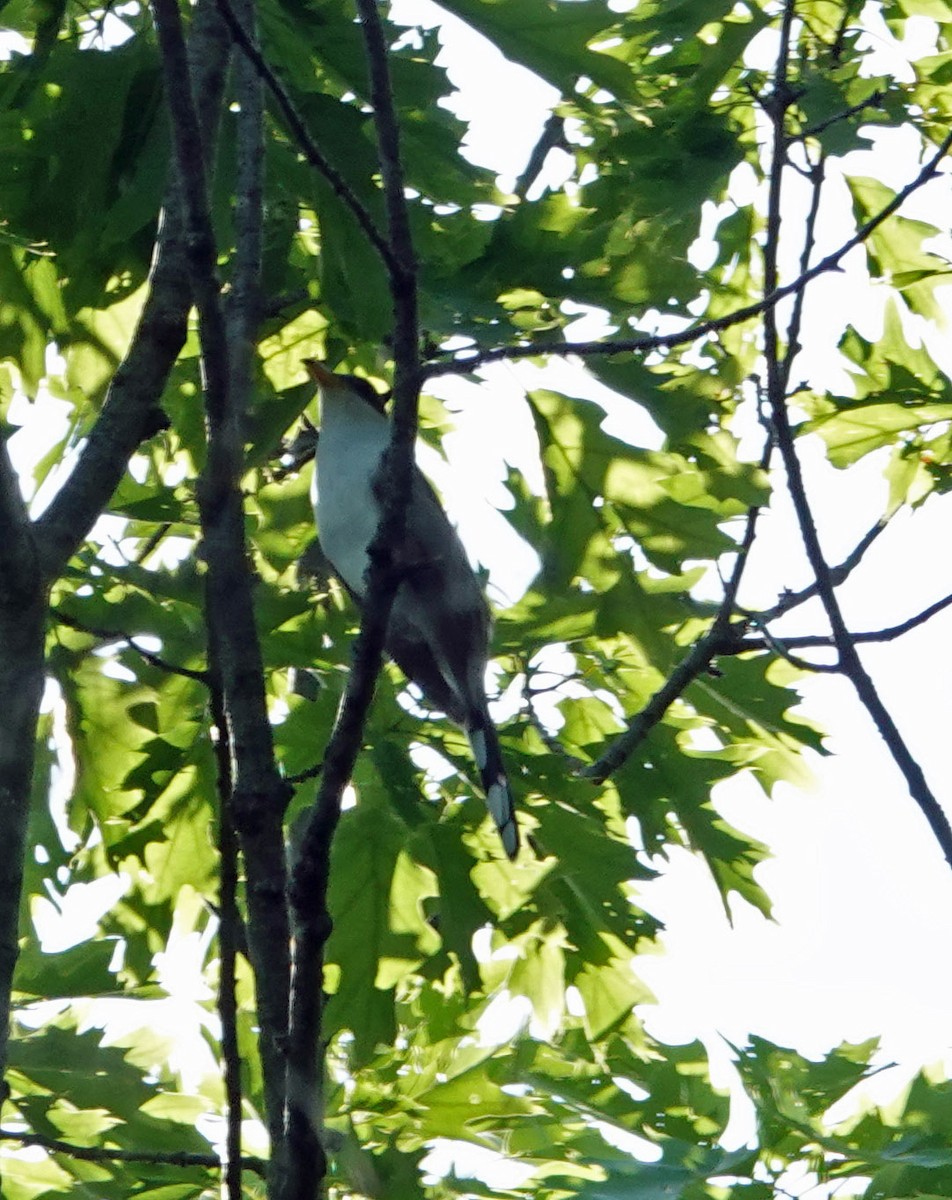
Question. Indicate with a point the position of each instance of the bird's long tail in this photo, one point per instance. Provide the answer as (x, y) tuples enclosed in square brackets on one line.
[(485, 746)]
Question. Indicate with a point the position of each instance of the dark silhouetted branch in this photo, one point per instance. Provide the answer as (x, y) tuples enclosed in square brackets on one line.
[(260, 796), (825, 641), (19, 561), (131, 412), (115, 635), (23, 613), (229, 939), (105, 1154), (838, 575), (552, 137), (724, 632), (299, 131), (311, 871), (465, 361), (874, 100)]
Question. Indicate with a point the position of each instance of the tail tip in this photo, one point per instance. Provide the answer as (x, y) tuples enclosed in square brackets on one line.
[(502, 810)]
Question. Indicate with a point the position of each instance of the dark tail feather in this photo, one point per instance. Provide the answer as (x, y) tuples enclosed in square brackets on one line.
[(485, 746)]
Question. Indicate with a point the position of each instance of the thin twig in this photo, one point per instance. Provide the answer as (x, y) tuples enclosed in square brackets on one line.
[(838, 575), (875, 100), (781, 648), (549, 740), (811, 641), (299, 130), (104, 1154), (116, 635), (313, 772), (795, 323), (465, 361)]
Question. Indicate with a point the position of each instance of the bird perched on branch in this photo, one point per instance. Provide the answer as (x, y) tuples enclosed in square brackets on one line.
[(438, 632)]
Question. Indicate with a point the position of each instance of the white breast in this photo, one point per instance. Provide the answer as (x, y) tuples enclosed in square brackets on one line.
[(353, 438)]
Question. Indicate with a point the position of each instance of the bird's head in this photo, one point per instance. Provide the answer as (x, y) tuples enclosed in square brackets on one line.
[(332, 384)]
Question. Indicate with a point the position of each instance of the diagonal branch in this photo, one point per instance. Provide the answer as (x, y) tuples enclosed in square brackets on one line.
[(850, 663), (873, 100), (552, 137), (695, 663), (838, 574), (131, 412), (465, 361), (724, 632), (115, 635)]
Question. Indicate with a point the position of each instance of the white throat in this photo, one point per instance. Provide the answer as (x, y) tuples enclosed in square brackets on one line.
[(353, 437)]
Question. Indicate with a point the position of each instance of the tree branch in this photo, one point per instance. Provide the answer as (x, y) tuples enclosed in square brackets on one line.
[(242, 316), (299, 130), (129, 415), (23, 613), (18, 552), (817, 176), (131, 412), (311, 871), (260, 827), (115, 635), (780, 647), (724, 631), (727, 637), (874, 100), (695, 663), (549, 740), (228, 941), (551, 137), (465, 361), (825, 641), (849, 660), (838, 575), (260, 796), (850, 663), (104, 1154)]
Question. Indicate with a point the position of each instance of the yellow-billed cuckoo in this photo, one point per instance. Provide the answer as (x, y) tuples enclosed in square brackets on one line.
[(438, 633)]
